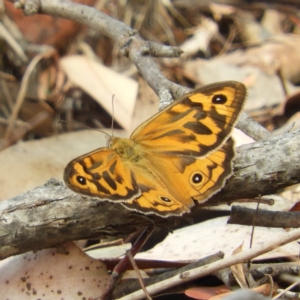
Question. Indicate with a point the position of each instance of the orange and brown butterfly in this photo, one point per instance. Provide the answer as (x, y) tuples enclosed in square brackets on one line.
[(182, 154)]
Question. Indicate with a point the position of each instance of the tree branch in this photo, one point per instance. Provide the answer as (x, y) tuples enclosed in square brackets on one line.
[(139, 51), (51, 214)]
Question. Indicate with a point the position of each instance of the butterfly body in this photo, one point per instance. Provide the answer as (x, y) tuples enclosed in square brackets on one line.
[(127, 149), (182, 154)]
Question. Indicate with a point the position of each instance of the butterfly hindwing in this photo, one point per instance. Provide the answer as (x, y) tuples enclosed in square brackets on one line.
[(193, 179), (203, 177), (155, 196), (101, 173)]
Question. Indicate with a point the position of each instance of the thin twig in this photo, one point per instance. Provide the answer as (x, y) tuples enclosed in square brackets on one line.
[(138, 274)]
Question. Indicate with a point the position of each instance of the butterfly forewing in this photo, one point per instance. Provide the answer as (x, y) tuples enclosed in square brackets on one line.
[(196, 124)]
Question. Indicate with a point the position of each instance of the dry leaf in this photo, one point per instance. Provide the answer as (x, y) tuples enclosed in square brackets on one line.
[(197, 241), (102, 84), (49, 274)]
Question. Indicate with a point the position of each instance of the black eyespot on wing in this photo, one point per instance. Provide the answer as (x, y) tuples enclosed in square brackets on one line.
[(219, 99), (197, 178), (165, 199), (81, 180)]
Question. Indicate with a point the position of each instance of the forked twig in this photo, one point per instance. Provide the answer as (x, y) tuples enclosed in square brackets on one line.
[(121, 266)]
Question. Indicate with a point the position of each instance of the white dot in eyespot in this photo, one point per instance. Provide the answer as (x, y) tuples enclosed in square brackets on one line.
[(81, 180), (165, 199), (219, 99), (197, 178)]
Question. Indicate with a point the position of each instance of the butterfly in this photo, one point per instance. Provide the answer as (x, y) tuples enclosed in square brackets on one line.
[(182, 154)]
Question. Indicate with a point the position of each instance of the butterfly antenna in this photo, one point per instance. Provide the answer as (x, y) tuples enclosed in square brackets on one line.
[(86, 127), (113, 116)]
